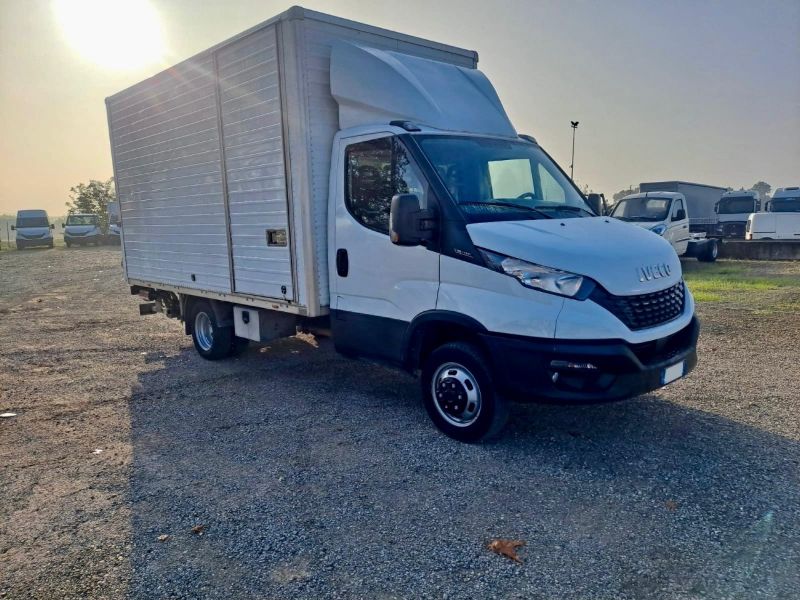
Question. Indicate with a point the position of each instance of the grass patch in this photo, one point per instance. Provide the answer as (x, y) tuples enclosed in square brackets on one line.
[(701, 296), (744, 282)]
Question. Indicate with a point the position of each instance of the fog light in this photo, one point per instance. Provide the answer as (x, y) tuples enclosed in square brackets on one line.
[(564, 364)]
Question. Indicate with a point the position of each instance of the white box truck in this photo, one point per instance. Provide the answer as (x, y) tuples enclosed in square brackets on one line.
[(321, 173), (701, 201)]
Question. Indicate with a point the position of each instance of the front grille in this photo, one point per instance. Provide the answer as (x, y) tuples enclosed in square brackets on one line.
[(644, 310)]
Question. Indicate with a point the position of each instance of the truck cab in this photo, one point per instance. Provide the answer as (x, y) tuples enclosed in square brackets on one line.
[(33, 228), (82, 230), (666, 215), (733, 210)]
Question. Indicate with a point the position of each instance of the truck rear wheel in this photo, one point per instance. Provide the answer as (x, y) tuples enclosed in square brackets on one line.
[(211, 341), (710, 252), (458, 393)]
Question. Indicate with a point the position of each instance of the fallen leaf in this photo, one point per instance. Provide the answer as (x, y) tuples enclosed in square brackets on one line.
[(671, 504), (198, 529), (163, 537), (507, 548)]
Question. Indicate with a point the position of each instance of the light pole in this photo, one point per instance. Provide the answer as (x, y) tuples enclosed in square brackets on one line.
[(572, 163)]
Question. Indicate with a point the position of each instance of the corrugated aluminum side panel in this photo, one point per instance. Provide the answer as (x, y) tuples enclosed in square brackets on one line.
[(313, 39), (165, 144), (253, 146)]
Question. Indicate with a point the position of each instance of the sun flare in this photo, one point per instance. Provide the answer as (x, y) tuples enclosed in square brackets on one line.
[(113, 34)]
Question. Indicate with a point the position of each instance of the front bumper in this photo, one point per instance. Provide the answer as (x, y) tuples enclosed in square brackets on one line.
[(33, 242), (77, 239), (524, 367)]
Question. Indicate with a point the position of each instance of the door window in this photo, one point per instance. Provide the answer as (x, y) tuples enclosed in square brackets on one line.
[(678, 205), (375, 171)]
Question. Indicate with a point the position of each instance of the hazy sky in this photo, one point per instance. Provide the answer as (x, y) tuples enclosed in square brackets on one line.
[(690, 90)]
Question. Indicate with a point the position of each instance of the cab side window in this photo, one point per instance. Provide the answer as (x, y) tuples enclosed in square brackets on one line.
[(375, 171), (677, 206)]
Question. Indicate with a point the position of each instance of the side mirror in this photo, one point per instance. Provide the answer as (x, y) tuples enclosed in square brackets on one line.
[(680, 215), (63, 225), (595, 202), (409, 225), (13, 228), (716, 207), (52, 225)]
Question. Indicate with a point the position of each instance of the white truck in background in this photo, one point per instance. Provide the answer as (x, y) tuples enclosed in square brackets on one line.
[(314, 172), (665, 214), (782, 219), (700, 199), (733, 209), (33, 228)]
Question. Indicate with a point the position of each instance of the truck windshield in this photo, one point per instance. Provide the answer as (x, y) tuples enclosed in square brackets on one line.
[(23, 222), (82, 220), (501, 180), (737, 204), (642, 209), (788, 204)]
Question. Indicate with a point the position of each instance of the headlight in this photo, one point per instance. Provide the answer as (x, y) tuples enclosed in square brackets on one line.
[(659, 229), (540, 278)]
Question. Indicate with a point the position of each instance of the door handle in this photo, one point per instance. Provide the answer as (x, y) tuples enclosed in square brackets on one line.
[(342, 262)]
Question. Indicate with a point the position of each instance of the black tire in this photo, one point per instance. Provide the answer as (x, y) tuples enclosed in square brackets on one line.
[(710, 252), (20, 245), (469, 368), (211, 341), (68, 243)]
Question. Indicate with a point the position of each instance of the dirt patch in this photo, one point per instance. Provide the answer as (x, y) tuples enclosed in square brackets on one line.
[(314, 476)]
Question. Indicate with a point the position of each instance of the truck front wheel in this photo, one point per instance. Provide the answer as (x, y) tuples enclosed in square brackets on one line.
[(211, 341), (710, 252), (458, 393)]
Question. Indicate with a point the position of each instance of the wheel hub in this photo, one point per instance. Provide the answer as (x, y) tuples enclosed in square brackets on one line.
[(452, 396), (456, 394)]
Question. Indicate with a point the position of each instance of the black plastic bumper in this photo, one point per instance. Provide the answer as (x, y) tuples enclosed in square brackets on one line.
[(531, 369)]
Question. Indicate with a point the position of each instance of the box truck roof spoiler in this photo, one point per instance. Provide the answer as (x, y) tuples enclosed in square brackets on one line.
[(373, 85)]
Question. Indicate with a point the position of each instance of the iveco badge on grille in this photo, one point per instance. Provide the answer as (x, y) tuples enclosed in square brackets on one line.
[(651, 272)]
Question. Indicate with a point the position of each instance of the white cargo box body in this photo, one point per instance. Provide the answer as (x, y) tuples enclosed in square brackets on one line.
[(222, 162)]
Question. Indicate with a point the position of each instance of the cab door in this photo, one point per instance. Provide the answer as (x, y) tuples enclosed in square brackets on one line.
[(678, 229), (377, 287)]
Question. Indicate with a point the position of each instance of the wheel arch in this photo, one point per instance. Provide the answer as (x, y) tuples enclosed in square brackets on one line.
[(432, 328), (223, 311)]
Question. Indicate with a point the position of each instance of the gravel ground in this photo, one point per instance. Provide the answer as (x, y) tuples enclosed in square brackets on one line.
[(317, 477)]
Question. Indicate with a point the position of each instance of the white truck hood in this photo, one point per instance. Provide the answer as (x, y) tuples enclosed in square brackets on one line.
[(623, 258)]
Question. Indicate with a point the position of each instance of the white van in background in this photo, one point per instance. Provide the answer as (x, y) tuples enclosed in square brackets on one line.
[(33, 228), (781, 222), (82, 230)]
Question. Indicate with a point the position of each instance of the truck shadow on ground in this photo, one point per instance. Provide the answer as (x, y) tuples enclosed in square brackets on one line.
[(306, 475)]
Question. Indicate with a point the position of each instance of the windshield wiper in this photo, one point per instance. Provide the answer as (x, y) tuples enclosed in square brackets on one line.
[(568, 207), (505, 205)]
